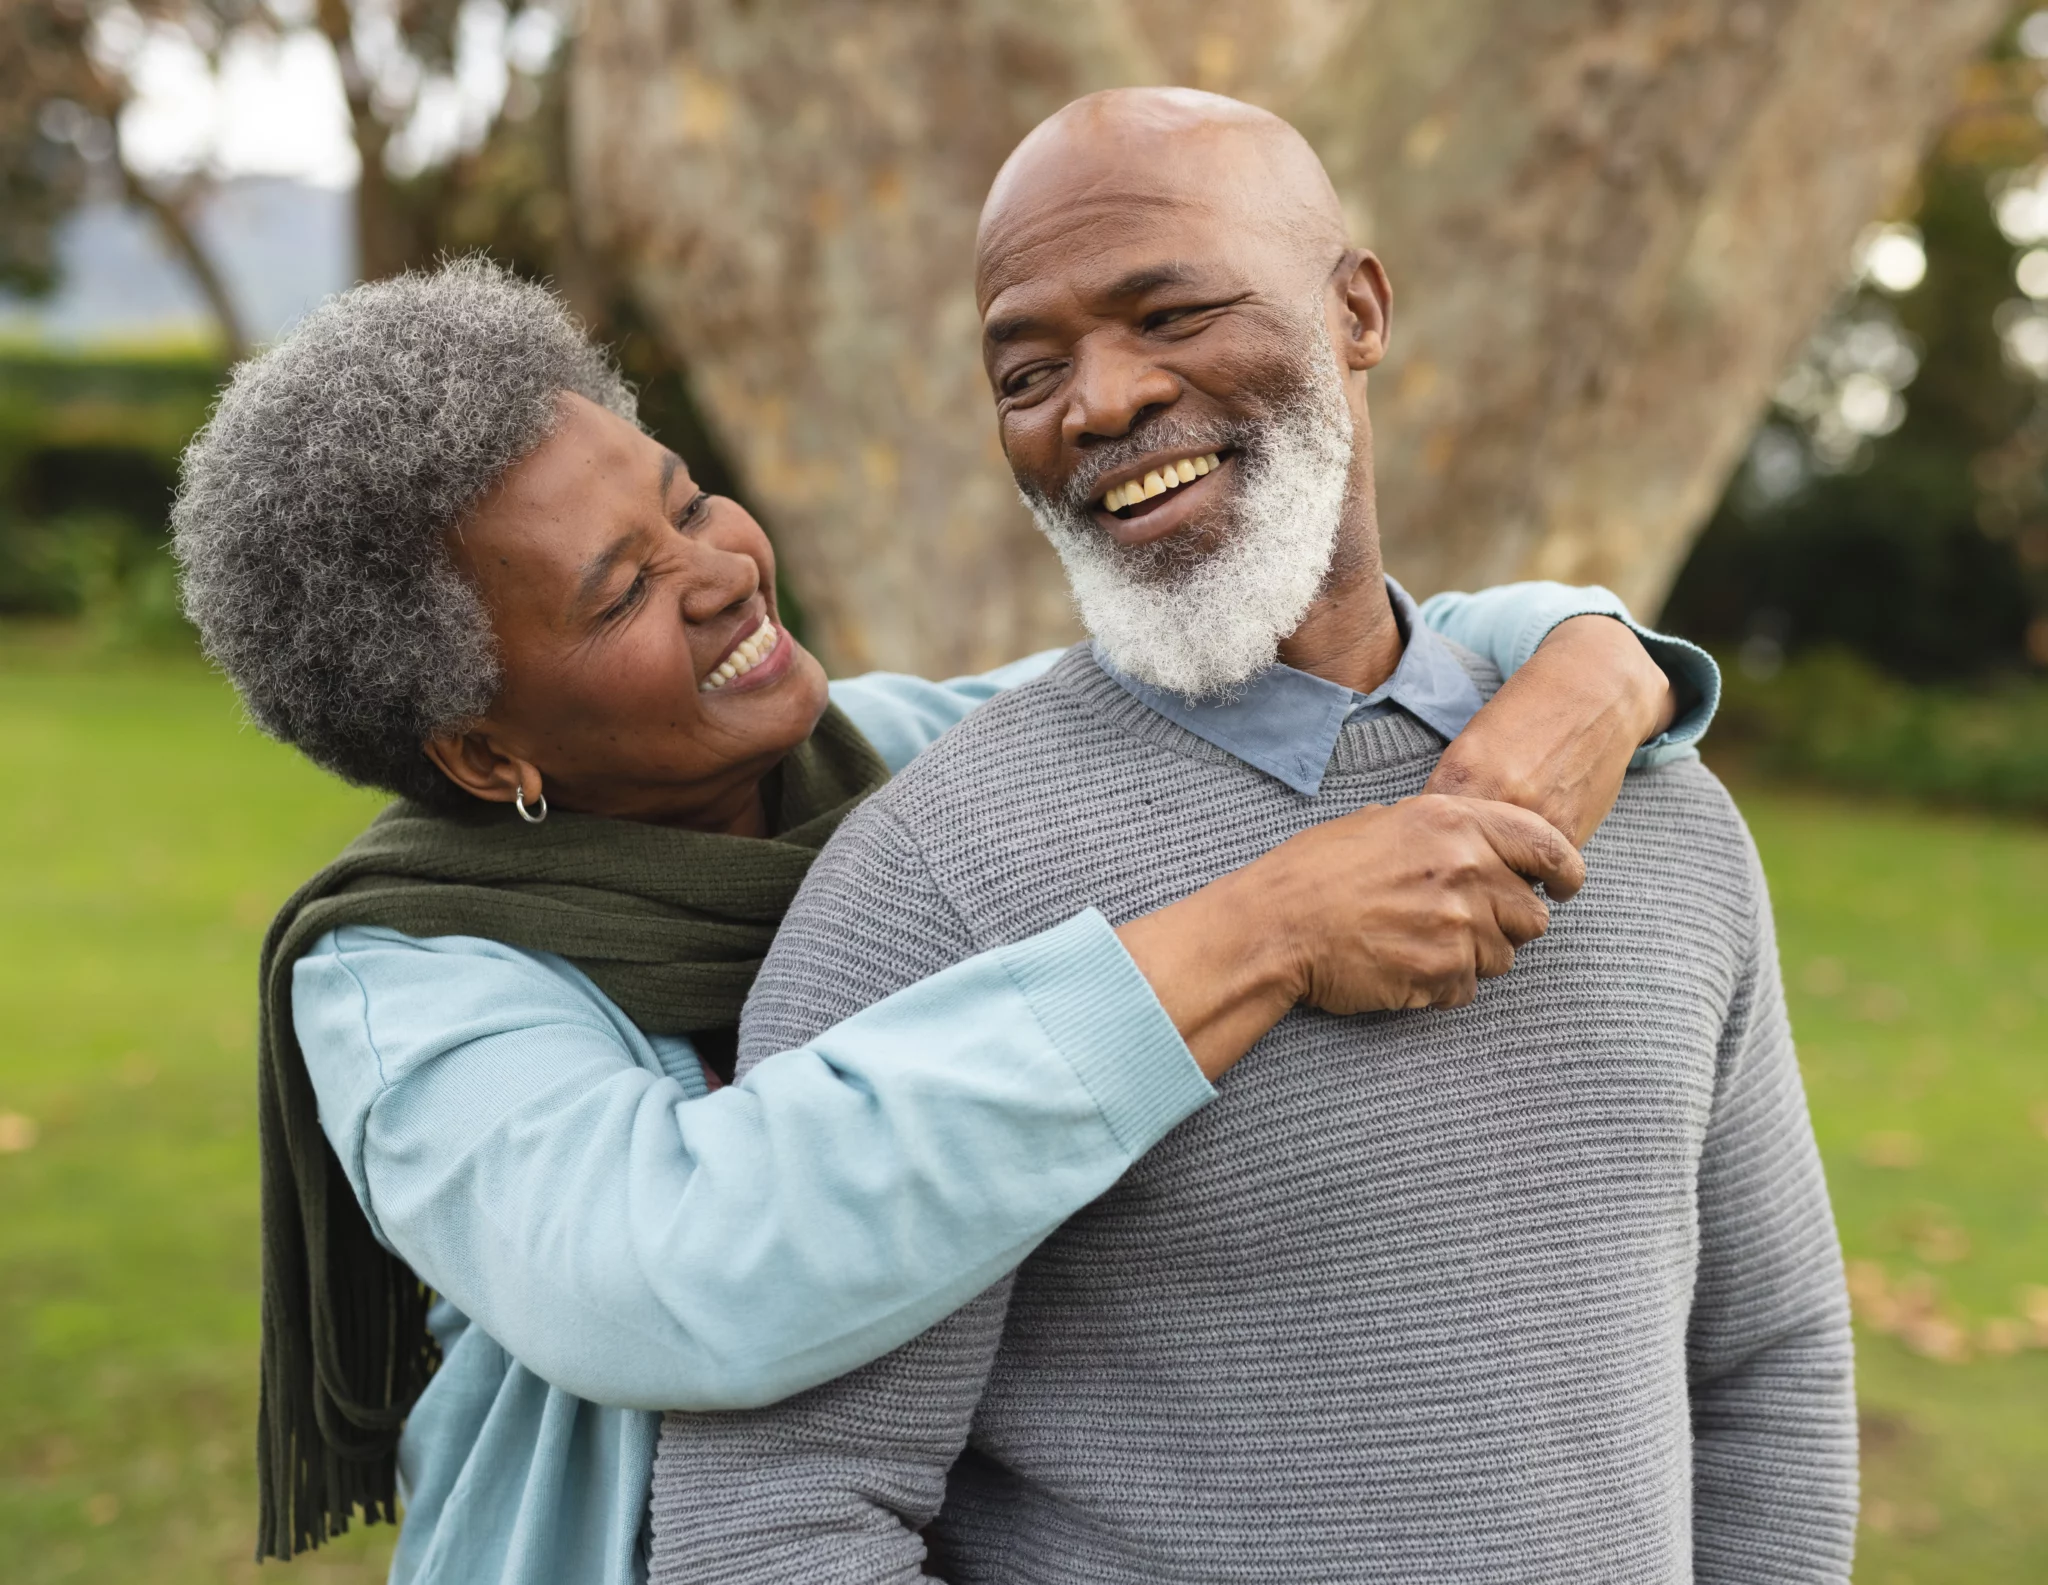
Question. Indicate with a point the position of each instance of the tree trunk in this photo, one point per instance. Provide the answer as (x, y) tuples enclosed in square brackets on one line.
[(1608, 227), (386, 242)]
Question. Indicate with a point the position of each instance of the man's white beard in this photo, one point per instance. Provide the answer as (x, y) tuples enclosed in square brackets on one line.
[(1204, 627)]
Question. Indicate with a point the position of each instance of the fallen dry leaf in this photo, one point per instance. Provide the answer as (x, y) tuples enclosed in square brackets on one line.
[(1935, 1337), (1894, 1149), (17, 1133), (1942, 1246), (2001, 1336), (1825, 977), (1870, 1294), (2034, 1306), (1934, 1236), (1910, 1310)]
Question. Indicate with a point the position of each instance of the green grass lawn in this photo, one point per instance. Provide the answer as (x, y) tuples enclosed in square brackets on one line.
[(148, 836), (1915, 949)]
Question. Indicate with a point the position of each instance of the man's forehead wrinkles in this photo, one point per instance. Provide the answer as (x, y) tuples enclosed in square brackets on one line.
[(1011, 245)]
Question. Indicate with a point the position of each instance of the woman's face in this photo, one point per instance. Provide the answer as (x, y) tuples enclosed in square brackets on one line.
[(645, 673)]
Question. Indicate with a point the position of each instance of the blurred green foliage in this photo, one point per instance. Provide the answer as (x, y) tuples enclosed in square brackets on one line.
[(89, 445), (1832, 718), (1925, 548)]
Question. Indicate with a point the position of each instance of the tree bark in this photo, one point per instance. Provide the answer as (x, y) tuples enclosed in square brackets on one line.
[(1608, 227)]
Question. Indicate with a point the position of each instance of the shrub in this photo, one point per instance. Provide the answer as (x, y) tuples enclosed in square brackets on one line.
[(1831, 717)]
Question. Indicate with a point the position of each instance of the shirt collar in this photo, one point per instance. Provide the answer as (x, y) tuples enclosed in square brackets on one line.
[(1285, 722)]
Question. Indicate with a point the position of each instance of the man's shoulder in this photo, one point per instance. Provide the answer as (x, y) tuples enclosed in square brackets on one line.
[(1678, 822), (1684, 790)]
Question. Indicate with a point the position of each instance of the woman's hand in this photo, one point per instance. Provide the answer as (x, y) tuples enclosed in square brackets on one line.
[(1558, 736), (1390, 907)]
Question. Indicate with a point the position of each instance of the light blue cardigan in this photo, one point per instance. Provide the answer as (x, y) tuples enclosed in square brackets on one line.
[(609, 1237)]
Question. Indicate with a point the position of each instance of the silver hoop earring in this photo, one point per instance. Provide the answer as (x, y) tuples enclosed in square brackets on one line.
[(526, 814)]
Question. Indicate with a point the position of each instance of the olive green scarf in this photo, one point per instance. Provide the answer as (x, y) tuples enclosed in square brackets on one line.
[(671, 924)]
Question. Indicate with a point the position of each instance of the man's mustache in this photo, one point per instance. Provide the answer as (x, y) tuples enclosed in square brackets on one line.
[(1149, 439)]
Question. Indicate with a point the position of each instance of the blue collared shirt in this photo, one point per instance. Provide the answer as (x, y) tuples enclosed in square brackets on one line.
[(1285, 722)]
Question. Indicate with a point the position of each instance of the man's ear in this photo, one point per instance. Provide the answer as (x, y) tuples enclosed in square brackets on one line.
[(475, 763), (1366, 315)]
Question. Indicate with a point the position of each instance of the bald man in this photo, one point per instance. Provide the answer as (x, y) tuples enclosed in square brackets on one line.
[(1545, 1288)]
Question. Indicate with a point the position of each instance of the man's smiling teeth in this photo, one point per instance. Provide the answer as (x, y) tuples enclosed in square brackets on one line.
[(1170, 477), (742, 660)]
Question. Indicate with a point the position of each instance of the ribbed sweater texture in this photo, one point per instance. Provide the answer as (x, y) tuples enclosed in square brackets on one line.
[(1542, 1289)]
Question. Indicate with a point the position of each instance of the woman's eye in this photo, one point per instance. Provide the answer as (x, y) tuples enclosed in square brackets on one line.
[(691, 513), (632, 597)]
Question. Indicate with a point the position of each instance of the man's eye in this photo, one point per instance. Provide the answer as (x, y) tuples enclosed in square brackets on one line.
[(1027, 379), (1172, 316)]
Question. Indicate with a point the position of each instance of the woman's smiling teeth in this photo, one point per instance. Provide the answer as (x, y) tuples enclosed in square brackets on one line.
[(1170, 476), (742, 660)]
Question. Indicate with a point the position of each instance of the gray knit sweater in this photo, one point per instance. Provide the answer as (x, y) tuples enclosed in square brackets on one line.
[(1543, 1289)]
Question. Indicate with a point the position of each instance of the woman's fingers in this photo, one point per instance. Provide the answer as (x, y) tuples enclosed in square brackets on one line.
[(1461, 992), (1400, 907)]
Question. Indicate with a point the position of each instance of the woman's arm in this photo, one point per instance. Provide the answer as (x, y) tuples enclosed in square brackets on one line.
[(1511, 622), (637, 1246), (1589, 695), (634, 1245)]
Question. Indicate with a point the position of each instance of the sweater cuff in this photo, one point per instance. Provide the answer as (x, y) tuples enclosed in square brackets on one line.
[(1691, 669), (1698, 680), (1103, 1017)]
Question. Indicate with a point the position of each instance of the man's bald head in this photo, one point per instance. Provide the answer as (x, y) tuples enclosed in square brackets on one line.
[(1125, 150), (1178, 334)]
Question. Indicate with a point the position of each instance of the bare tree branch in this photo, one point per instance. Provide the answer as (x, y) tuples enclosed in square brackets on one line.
[(173, 215)]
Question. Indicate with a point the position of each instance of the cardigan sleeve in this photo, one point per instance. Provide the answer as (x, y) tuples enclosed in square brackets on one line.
[(638, 1243), (1507, 622)]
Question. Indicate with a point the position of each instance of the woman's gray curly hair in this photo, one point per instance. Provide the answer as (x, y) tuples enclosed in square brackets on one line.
[(313, 515)]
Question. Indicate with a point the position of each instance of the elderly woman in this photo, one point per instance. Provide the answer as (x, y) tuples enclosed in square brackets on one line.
[(510, 1208)]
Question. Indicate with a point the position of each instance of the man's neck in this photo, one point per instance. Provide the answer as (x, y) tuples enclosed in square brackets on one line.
[(1350, 636)]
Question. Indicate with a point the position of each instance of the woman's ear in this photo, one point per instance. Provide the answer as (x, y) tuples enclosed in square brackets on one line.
[(476, 764), (1366, 316)]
